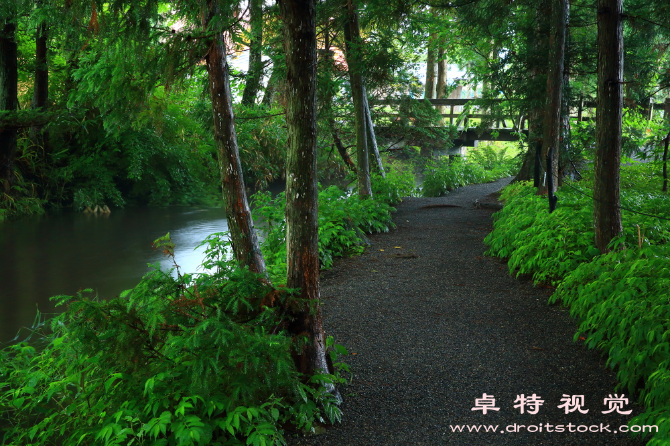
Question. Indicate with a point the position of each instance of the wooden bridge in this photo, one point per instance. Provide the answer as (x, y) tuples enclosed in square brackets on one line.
[(461, 112)]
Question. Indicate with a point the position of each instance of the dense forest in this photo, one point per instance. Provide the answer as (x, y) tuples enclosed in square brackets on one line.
[(112, 104)]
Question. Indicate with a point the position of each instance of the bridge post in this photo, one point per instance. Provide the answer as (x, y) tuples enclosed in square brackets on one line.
[(580, 110)]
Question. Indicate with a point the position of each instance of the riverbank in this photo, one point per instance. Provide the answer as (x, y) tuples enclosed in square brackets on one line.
[(432, 324)]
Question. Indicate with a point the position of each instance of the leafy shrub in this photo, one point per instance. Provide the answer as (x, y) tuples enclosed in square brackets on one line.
[(399, 183), (442, 175), (619, 298), (548, 246), (343, 221), (495, 156), (187, 360)]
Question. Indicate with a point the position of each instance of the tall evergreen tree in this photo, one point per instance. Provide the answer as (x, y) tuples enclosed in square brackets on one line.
[(302, 233), (243, 234), (606, 201), (8, 99), (553, 107), (353, 43), (255, 72)]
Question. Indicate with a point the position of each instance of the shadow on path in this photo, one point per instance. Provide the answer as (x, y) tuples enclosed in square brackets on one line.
[(431, 324)]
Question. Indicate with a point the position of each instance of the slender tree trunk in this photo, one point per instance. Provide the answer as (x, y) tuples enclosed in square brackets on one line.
[(242, 232), (41, 90), (666, 143), (255, 72), (552, 112), (430, 69), (372, 138), (327, 67), (666, 112), (441, 86), (606, 202), (271, 89), (565, 142), (8, 102), (353, 46), (302, 233)]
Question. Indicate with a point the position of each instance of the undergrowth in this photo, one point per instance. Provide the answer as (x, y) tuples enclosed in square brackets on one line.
[(620, 298), (485, 165), (197, 359), (187, 359)]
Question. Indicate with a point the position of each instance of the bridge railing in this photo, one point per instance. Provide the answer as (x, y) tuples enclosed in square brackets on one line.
[(583, 110)]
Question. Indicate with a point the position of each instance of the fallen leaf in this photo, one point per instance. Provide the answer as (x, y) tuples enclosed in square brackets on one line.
[(354, 353), (582, 338), (537, 348), (381, 249), (398, 247)]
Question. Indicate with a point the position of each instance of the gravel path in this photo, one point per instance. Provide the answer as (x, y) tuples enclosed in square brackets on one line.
[(431, 324)]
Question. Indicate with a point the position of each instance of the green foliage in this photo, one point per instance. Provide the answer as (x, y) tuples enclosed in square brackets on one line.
[(344, 219), (548, 246), (399, 183), (444, 175), (619, 298), (188, 360), (622, 303)]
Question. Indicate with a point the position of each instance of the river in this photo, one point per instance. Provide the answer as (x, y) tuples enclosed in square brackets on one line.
[(59, 253)]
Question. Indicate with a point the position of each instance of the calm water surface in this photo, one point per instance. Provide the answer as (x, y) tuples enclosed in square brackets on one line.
[(47, 255)]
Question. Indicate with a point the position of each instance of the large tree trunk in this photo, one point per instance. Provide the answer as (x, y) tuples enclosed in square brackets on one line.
[(552, 112), (255, 72), (302, 233), (353, 46), (606, 210), (8, 101), (41, 90), (536, 41), (240, 224)]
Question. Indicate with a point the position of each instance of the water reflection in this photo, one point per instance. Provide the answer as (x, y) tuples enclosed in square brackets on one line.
[(60, 253)]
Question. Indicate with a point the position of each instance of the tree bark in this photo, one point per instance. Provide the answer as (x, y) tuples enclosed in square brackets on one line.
[(372, 138), (242, 232), (302, 233), (41, 90), (666, 143), (606, 202), (255, 72), (527, 165), (430, 70), (327, 66), (8, 102), (441, 86), (536, 41), (271, 89), (353, 45), (552, 112)]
